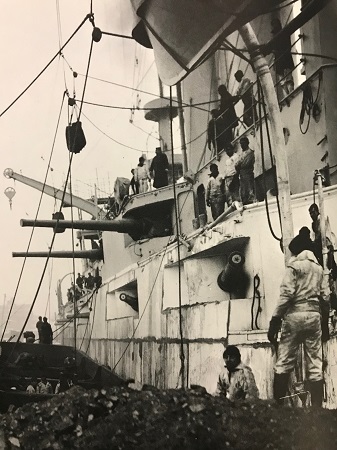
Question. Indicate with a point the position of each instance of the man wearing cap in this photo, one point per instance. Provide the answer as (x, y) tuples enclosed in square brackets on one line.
[(298, 311), (245, 169), (238, 382), (215, 192)]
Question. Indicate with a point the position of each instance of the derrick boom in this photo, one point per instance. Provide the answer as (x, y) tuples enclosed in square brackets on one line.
[(78, 202)]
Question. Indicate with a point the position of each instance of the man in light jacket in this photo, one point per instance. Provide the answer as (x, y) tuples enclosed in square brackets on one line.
[(238, 382), (298, 310)]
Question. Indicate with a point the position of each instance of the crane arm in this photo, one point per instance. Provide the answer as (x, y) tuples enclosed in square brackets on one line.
[(85, 205)]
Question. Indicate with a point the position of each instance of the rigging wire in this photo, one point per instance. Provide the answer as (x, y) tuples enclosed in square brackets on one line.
[(64, 191), (49, 289), (151, 291), (73, 250), (142, 91), (36, 216), (133, 148), (59, 31), (92, 326), (145, 74), (138, 108), (146, 304), (46, 67), (87, 324), (177, 219), (109, 137), (69, 321), (315, 55), (146, 132)]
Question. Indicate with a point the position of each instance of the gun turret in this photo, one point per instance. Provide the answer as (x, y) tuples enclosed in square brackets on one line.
[(95, 255), (135, 228)]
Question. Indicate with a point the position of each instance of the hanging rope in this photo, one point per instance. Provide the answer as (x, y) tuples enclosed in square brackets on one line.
[(271, 157), (260, 100), (256, 295), (309, 105)]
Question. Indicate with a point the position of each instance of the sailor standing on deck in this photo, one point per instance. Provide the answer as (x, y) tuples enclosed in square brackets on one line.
[(46, 332), (298, 311), (232, 182), (216, 135), (245, 93), (39, 324), (215, 197), (159, 169), (245, 169), (142, 176), (228, 114)]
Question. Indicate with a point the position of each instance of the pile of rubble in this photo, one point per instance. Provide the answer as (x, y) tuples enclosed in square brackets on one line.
[(122, 418)]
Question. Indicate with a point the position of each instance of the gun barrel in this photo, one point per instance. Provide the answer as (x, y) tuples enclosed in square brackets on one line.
[(118, 225), (95, 254)]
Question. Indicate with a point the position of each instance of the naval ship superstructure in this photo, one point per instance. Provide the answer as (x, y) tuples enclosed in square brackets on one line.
[(176, 285)]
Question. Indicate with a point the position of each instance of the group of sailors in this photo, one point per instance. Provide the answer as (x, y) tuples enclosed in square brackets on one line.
[(143, 175), (83, 285), (221, 127), (45, 331), (301, 317), (237, 181), (34, 386)]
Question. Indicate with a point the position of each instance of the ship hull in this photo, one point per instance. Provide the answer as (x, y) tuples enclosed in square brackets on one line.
[(195, 321)]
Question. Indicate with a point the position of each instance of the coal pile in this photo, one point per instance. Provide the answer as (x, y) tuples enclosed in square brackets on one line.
[(122, 418)]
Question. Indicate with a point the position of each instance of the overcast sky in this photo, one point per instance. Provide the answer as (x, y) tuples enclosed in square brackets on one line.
[(30, 35)]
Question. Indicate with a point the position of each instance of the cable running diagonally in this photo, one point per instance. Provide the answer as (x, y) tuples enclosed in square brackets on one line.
[(46, 67), (62, 200), (36, 216), (177, 220)]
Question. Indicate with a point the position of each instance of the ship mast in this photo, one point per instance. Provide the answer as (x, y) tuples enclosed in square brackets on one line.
[(282, 172)]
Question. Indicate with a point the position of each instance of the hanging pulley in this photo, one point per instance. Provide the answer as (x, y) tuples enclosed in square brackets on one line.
[(10, 192)]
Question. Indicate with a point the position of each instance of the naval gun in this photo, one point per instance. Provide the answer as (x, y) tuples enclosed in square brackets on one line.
[(141, 228), (93, 255)]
